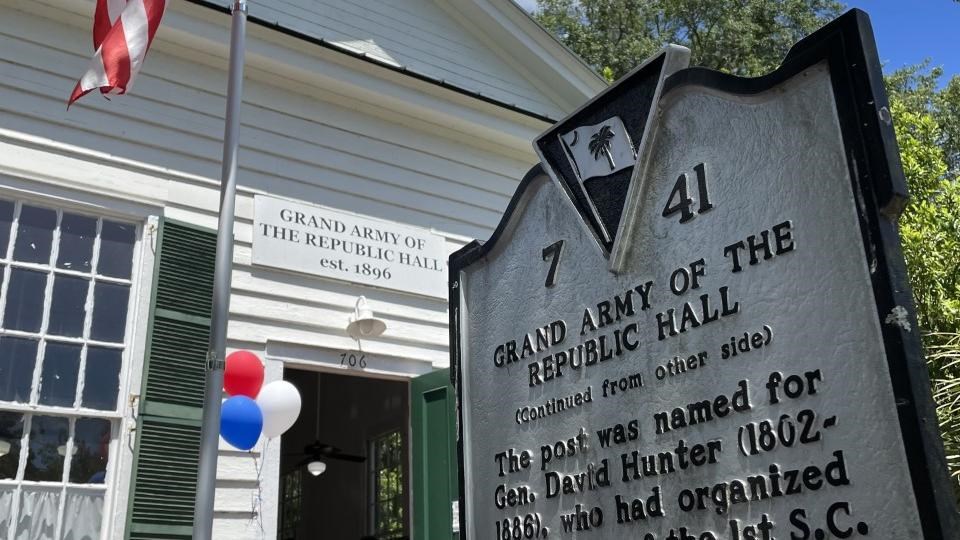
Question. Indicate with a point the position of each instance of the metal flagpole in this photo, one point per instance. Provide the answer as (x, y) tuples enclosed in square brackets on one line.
[(210, 435)]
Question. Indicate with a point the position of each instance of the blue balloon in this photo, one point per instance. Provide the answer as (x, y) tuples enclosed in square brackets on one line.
[(241, 422)]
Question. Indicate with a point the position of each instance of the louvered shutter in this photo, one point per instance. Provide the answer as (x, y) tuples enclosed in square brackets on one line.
[(167, 451)]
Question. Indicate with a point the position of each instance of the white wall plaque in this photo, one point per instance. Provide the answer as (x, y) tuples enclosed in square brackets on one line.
[(334, 244), (739, 362)]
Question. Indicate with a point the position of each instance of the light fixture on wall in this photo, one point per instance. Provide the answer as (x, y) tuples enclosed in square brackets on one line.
[(316, 467), (4, 447), (363, 323)]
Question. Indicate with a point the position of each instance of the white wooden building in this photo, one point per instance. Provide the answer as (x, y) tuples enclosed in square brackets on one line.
[(417, 113)]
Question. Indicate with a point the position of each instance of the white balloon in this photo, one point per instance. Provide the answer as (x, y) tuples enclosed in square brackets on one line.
[(280, 403)]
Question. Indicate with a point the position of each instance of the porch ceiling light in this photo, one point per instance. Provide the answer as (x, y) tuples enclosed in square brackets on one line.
[(316, 467), (363, 323)]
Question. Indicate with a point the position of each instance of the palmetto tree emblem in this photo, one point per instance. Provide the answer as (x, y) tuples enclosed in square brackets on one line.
[(600, 144)]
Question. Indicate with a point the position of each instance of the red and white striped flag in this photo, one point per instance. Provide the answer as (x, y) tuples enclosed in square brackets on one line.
[(122, 33)]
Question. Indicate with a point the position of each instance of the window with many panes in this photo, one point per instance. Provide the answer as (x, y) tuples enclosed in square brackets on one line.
[(386, 502), (65, 281)]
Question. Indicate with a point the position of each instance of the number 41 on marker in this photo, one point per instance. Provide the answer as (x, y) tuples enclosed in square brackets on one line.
[(680, 193)]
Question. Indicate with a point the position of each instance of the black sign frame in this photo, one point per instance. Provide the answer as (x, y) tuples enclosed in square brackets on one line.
[(873, 160)]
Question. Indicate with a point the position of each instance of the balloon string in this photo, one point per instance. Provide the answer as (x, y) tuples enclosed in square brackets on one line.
[(258, 496)]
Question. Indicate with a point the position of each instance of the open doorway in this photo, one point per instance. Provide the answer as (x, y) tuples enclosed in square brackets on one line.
[(357, 429)]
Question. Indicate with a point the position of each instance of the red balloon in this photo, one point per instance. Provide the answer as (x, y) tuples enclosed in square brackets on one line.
[(243, 374)]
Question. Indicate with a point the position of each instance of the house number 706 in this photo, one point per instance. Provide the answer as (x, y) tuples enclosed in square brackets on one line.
[(680, 200), (353, 360)]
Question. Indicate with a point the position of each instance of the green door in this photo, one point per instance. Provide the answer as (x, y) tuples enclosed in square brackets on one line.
[(434, 449)]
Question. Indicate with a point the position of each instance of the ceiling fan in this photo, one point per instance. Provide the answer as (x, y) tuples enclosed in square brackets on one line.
[(316, 452)]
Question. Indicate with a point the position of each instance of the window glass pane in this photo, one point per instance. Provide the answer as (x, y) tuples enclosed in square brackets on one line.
[(76, 242), (83, 513), (58, 381), (38, 514), (6, 507), (48, 437), (25, 300), (290, 507), (11, 430), (35, 234), (68, 306), (388, 486), (6, 218), (17, 358), (91, 440), (116, 249), (109, 311), (101, 379)]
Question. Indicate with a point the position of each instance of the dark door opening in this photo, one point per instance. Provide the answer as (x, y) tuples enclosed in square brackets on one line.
[(357, 429)]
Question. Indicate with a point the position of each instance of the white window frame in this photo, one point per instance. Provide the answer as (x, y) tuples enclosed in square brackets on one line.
[(120, 455), (373, 500)]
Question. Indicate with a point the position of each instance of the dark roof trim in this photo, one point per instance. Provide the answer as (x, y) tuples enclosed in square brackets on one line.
[(371, 60)]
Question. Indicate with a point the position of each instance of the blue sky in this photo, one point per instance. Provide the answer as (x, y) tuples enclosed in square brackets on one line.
[(907, 31)]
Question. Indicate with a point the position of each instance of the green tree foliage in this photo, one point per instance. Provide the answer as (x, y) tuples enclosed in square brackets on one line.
[(749, 38), (944, 359), (926, 119), (744, 37)]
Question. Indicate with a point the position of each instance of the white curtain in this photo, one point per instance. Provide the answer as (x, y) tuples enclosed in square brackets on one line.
[(82, 515), (6, 507), (38, 514)]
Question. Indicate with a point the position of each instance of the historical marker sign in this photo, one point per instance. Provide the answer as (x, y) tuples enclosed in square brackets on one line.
[(718, 344)]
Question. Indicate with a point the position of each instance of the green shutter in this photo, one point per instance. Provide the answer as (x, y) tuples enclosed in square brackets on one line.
[(433, 424), (167, 450)]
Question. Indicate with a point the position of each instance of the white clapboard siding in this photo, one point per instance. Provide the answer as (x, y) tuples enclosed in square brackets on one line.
[(268, 310), (414, 34), (177, 127), (235, 496), (187, 81), (242, 525), (278, 171), (238, 467), (336, 295), (157, 151)]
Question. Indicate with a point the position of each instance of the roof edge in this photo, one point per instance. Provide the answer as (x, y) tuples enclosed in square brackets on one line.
[(320, 42), (541, 29)]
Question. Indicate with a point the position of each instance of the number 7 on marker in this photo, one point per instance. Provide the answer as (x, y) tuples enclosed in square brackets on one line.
[(553, 250)]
